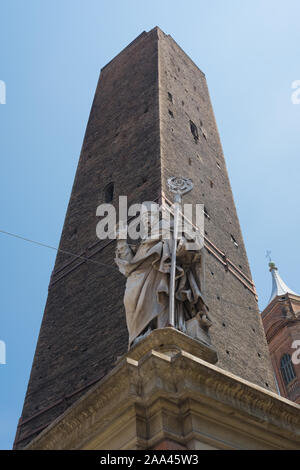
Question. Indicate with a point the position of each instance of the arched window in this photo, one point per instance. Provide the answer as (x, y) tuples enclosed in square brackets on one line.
[(109, 192), (287, 368)]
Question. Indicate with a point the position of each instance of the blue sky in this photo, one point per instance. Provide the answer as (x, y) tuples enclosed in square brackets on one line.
[(51, 53)]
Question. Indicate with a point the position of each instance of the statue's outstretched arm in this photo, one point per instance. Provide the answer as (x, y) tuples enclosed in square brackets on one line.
[(123, 251)]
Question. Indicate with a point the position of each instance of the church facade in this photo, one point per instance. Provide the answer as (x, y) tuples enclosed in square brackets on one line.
[(281, 320)]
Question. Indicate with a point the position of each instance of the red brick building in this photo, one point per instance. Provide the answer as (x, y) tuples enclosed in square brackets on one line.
[(281, 320)]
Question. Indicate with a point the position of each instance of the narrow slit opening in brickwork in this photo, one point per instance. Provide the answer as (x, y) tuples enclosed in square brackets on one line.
[(211, 183), (170, 97), (194, 131), (74, 233), (206, 213), (146, 110), (171, 114), (109, 192), (218, 165), (234, 241)]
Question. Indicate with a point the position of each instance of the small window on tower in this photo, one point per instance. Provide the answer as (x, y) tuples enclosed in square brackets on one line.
[(234, 241), (206, 214), (194, 131), (109, 192), (287, 369)]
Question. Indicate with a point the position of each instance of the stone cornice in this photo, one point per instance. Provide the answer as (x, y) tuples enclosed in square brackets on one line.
[(137, 389)]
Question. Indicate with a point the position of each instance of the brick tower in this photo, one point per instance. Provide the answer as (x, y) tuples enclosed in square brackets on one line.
[(151, 118), (281, 320)]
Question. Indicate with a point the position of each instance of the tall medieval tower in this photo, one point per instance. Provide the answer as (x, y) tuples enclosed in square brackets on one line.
[(151, 118)]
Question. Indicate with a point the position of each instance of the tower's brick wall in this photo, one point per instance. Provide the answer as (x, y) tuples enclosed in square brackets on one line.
[(133, 141), (237, 331)]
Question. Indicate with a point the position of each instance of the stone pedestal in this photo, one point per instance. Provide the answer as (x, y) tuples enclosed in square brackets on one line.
[(163, 395)]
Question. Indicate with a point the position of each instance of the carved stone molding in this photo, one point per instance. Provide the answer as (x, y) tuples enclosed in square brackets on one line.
[(159, 392)]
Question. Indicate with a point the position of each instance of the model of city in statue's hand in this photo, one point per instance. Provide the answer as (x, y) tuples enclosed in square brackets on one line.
[(148, 268)]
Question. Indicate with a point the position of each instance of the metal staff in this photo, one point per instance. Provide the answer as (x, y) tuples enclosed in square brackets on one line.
[(178, 186)]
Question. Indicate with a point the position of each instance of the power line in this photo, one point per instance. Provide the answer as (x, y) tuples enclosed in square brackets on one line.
[(20, 237), (57, 249)]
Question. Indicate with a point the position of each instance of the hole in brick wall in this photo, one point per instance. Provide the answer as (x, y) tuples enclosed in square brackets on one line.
[(259, 355), (211, 183), (73, 233), (109, 192), (146, 110), (227, 352), (182, 102), (212, 273), (218, 297), (194, 131), (218, 165), (206, 214), (253, 329), (224, 324), (234, 241), (170, 97), (171, 114)]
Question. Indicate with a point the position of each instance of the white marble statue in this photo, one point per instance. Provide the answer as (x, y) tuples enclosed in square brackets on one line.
[(147, 268)]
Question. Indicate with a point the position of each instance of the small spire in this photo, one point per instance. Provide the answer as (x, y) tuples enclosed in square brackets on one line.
[(278, 286)]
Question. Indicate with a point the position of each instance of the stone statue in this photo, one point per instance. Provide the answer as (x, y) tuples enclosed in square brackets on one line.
[(147, 267)]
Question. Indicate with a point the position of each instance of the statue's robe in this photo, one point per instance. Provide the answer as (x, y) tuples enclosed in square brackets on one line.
[(148, 280)]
